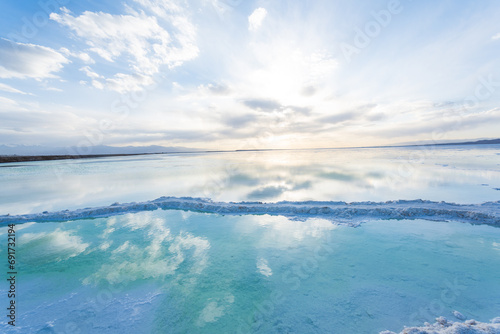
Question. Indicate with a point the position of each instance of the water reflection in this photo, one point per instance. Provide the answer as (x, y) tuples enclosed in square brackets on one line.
[(204, 267), (159, 253), (456, 175), (186, 272)]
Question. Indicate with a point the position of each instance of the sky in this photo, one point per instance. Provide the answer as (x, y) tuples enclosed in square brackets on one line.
[(244, 74)]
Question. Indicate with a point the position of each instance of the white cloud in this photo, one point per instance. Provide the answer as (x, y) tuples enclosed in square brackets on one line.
[(20, 60), (256, 18), (97, 84), (497, 36), (9, 89), (113, 35), (160, 8), (53, 89), (128, 82), (321, 64), (282, 71), (85, 58), (136, 38), (90, 73), (80, 55), (7, 102)]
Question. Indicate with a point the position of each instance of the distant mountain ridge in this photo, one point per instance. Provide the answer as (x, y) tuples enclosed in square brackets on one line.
[(478, 142), (25, 150)]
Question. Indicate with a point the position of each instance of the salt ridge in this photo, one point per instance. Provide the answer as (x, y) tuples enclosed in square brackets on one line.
[(443, 326), (338, 212)]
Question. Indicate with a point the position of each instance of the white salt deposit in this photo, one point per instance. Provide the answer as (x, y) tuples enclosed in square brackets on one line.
[(444, 326), (338, 212)]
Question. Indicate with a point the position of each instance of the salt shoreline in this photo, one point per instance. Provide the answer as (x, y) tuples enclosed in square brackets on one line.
[(351, 214), (444, 326)]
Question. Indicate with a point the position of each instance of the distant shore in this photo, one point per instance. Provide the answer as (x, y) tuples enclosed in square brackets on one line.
[(25, 158)]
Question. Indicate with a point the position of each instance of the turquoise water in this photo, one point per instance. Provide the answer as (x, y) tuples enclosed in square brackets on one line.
[(186, 272)]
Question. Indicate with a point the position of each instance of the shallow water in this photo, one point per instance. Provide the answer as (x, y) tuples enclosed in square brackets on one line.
[(460, 174), (184, 272)]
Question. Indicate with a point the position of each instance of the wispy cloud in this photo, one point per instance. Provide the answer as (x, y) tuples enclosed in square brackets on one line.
[(20, 60), (9, 89), (136, 38)]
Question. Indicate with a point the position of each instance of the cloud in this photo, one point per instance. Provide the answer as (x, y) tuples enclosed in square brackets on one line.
[(112, 35), (6, 102), (30, 123), (122, 82), (282, 69), (262, 104), (80, 55), (20, 60), (90, 73), (309, 90), (376, 117), (139, 40), (9, 89), (302, 110), (145, 135), (36, 121), (352, 114), (240, 121), (53, 89), (256, 18), (339, 118), (218, 89), (497, 36), (438, 124), (269, 105)]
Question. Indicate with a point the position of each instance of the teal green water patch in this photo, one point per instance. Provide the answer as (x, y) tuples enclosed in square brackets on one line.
[(186, 272)]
